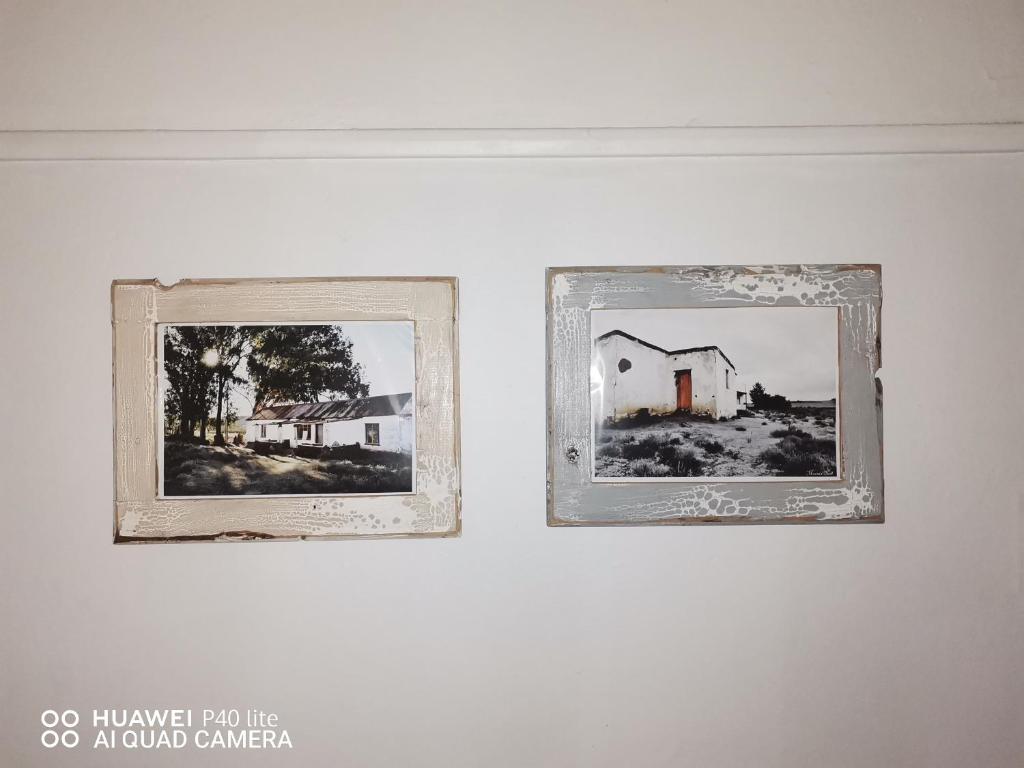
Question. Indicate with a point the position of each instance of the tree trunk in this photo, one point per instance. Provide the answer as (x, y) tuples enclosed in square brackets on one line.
[(218, 438)]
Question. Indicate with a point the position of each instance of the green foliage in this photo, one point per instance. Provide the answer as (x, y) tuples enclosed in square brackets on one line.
[(288, 363), (302, 363)]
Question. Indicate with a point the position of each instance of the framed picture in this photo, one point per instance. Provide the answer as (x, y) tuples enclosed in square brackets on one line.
[(275, 409), (718, 394)]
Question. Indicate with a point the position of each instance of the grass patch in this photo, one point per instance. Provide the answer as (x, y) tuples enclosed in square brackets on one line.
[(648, 468), (798, 454), (199, 470)]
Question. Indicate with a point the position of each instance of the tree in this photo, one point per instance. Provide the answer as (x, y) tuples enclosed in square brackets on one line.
[(302, 363), (230, 342), (189, 376), (761, 400), (758, 395)]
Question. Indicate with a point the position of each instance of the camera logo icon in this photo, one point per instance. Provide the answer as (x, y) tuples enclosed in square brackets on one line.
[(68, 737)]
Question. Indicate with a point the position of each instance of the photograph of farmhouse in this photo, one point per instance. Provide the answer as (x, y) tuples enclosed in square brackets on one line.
[(715, 393), (281, 410)]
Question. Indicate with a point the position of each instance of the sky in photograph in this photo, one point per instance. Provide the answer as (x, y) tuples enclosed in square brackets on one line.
[(385, 349), (792, 351)]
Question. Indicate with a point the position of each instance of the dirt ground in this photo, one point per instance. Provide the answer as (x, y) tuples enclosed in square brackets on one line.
[(683, 445), (203, 470)]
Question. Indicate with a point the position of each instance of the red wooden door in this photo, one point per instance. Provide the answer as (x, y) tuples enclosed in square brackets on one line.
[(684, 391)]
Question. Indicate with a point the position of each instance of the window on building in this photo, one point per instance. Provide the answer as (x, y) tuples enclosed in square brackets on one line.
[(263, 430), (726, 378), (624, 365), (302, 431), (373, 434)]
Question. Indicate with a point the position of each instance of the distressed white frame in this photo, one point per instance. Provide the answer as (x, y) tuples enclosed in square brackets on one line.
[(575, 499), (433, 510)]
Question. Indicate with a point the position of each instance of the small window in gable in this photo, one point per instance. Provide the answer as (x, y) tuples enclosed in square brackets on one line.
[(624, 365)]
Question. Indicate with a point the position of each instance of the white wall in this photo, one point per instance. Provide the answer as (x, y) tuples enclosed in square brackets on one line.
[(895, 644), (647, 383), (354, 431), (531, 63), (703, 376)]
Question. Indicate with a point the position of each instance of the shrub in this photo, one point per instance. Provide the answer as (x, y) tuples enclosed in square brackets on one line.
[(309, 451), (790, 431), (689, 465), (648, 468), (732, 453), (609, 451), (764, 423), (645, 449), (667, 455), (605, 439), (680, 463), (800, 455), (675, 441), (710, 446), (741, 429)]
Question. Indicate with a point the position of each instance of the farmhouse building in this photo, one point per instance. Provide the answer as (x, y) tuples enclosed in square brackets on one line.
[(636, 374), (381, 422)]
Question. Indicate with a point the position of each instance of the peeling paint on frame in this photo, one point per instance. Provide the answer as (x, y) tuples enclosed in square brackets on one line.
[(574, 499), (434, 510)]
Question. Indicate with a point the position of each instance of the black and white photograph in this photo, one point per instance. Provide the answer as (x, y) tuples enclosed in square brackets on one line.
[(738, 393), (287, 409)]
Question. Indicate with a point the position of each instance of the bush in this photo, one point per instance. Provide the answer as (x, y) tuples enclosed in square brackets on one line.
[(667, 455), (605, 439), (790, 431), (309, 451), (648, 468), (690, 465), (609, 451), (741, 429), (645, 449), (710, 446), (800, 455)]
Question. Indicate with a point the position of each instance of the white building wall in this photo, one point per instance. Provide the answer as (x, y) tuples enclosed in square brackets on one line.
[(273, 431), (354, 431), (703, 377), (650, 382), (725, 396), (647, 383), (396, 432)]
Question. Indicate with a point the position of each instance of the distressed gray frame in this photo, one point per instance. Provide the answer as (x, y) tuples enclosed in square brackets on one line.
[(139, 305), (574, 499)]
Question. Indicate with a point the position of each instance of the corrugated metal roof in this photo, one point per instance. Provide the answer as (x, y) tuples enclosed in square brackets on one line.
[(337, 410)]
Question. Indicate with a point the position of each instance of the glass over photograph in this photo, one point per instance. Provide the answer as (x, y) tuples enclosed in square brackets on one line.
[(286, 410), (746, 393)]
